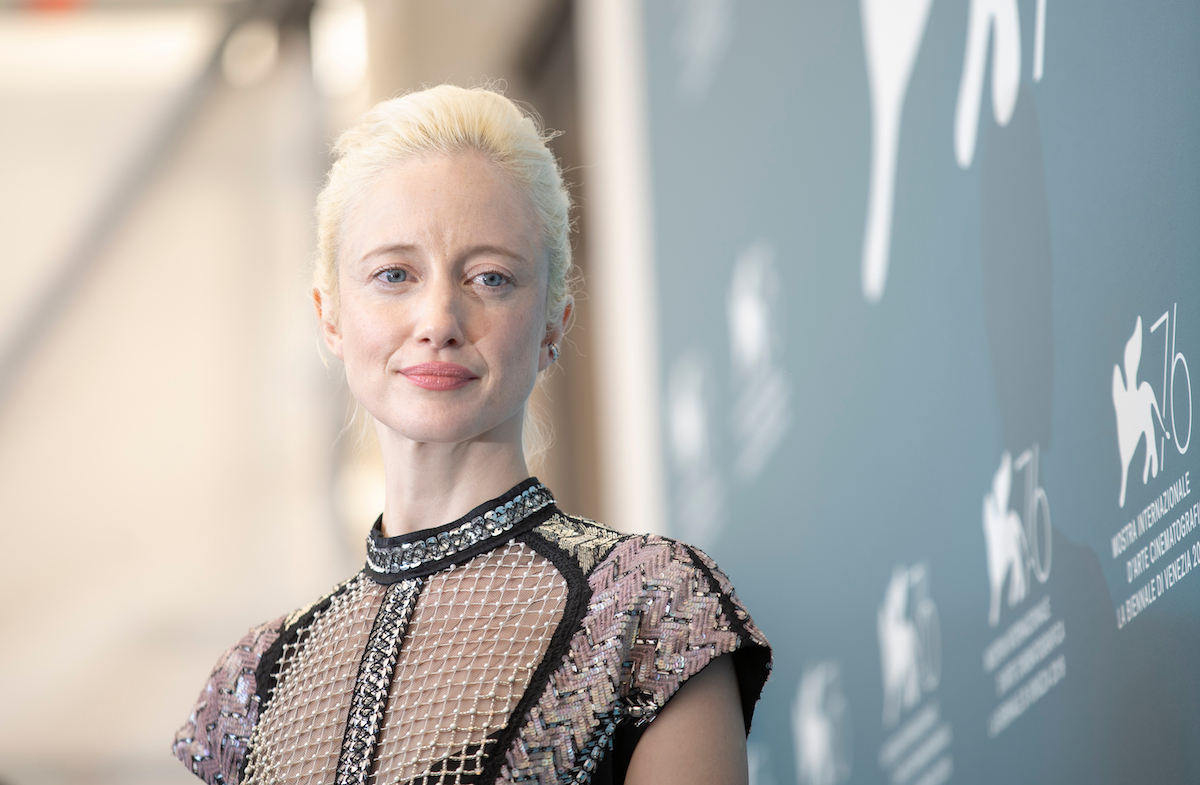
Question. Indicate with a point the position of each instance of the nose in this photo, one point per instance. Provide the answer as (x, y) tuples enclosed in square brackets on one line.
[(439, 317)]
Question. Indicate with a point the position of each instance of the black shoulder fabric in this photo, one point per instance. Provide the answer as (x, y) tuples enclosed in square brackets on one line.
[(751, 661), (752, 664), (615, 765), (578, 595)]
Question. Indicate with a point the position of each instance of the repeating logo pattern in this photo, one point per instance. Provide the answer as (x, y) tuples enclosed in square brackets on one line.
[(761, 412), (821, 726), (910, 642), (910, 649), (1140, 417), (1155, 543), (1015, 550), (1024, 654)]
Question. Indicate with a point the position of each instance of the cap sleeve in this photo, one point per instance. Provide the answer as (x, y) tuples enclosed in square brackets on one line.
[(684, 615), (752, 658), (213, 741)]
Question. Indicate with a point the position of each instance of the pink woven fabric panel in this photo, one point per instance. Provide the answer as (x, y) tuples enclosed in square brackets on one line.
[(655, 619), (214, 739), (739, 610)]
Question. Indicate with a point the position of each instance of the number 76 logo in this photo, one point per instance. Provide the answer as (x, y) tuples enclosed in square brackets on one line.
[(1138, 408)]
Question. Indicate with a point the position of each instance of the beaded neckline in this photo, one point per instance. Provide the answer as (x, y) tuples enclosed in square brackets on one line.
[(493, 523)]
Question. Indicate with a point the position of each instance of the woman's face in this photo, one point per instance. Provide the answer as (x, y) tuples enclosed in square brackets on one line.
[(442, 277)]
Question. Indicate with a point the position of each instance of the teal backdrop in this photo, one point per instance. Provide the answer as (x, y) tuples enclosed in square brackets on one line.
[(928, 281)]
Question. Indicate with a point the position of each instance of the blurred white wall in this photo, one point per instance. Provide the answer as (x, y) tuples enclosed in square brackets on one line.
[(165, 453), (175, 465), (620, 246)]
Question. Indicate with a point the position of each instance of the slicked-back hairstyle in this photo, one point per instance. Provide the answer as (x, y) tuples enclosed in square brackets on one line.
[(446, 120)]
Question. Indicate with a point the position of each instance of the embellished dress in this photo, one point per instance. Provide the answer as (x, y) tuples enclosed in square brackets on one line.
[(516, 644)]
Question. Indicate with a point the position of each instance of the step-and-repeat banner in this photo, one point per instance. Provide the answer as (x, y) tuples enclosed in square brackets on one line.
[(929, 296)]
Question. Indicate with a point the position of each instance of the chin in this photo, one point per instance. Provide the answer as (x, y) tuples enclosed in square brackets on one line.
[(440, 424), (430, 433)]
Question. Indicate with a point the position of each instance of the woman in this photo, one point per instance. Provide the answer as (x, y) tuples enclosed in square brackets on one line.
[(515, 643)]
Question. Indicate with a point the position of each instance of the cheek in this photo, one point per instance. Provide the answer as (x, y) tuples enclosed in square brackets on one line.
[(516, 342), (367, 338)]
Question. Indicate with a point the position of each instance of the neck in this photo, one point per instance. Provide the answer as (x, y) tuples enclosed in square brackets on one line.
[(429, 484)]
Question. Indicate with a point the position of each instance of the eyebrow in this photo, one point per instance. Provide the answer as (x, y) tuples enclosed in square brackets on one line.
[(474, 250)]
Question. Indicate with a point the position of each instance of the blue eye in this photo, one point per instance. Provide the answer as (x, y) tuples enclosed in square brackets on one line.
[(491, 279), (394, 276)]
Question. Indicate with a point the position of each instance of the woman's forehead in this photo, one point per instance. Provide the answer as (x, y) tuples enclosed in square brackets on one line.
[(442, 204)]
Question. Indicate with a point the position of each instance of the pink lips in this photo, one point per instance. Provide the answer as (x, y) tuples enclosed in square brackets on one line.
[(438, 376)]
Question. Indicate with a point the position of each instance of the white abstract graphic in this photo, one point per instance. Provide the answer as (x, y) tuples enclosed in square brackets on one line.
[(761, 412), (910, 642), (1006, 545), (702, 38), (892, 33), (700, 491), (918, 752), (821, 726), (987, 17), (1137, 409), (996, 22), (1016, 549)]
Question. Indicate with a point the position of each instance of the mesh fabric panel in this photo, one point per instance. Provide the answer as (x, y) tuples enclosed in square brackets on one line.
[(300, 734), (476, 635)]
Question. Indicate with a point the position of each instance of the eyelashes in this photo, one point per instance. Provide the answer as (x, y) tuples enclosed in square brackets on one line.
[(490, 279)]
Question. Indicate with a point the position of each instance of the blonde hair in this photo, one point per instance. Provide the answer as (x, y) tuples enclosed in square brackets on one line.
[(446, 120)]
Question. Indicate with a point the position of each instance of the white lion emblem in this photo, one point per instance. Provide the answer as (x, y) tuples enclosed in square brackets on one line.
[(1007, 549), (821, 726), (1134, 404), (909, 641)]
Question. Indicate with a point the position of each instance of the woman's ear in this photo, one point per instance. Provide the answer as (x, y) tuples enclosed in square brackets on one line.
[(329, 328), (561, 327), (555, 331)]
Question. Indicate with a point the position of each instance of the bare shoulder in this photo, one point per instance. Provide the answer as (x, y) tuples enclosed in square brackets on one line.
[(698, 737)]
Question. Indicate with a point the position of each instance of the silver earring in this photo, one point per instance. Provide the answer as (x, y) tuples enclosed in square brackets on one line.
[(553, 353)]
